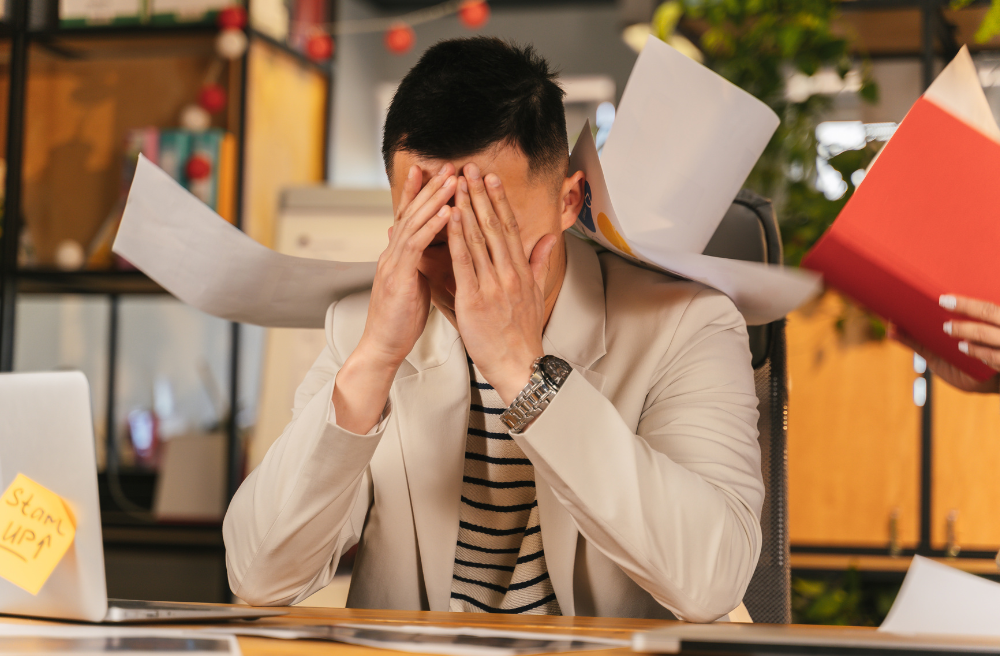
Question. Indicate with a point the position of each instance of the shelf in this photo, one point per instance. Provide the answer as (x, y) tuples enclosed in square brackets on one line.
[(864, 563), (49, 281), (115, 41)]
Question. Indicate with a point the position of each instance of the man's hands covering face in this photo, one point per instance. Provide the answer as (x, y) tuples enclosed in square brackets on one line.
[(500, 294), (400, 301), (400, 297)]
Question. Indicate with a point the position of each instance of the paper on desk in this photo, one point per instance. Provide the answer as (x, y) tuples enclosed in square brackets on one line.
[(205, 261), (422, 639), (939, 600), (683, 142), (120, 641), (36, 530)]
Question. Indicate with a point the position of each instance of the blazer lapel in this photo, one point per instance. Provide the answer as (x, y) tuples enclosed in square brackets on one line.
[(433, 410)]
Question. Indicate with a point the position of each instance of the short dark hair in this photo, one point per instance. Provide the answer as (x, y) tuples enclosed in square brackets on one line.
[(467, 95)]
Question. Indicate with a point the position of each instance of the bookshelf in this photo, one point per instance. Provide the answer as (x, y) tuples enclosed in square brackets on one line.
[(67, 98)]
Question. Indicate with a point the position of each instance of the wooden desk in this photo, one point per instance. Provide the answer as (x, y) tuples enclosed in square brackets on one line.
[(592, 626), (603, 627)]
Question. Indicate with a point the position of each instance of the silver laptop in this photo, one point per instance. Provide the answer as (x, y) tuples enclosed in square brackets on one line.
[(46, 433)]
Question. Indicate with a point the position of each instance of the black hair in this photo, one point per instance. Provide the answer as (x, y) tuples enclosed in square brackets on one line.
[(465, 96)]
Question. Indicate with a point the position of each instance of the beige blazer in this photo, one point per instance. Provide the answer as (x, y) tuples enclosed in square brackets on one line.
[(647, 464)]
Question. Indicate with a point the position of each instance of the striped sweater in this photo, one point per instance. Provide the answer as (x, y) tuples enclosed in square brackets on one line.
[(499, 562)]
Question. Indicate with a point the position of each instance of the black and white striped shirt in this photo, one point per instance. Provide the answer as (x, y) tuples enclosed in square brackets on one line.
[(499, 562)]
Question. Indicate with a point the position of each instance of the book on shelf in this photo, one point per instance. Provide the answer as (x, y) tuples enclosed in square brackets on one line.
[(87, 13), (186, 12), (172, 150)]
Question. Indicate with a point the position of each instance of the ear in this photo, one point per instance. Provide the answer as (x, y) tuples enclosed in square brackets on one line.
[(571, 199)]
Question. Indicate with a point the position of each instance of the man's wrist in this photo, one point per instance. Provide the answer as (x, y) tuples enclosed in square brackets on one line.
[(511, 385)]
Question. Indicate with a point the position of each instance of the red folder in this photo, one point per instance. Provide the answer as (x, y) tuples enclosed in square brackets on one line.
[(925, 222)]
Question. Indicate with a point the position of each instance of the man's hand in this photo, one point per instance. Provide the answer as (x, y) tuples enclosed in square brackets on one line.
[(499, 296), (400, 302)]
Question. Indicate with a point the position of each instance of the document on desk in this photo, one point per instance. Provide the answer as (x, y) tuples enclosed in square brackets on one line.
[(423, 639), (936, 599), (205, 261), (89, 640)]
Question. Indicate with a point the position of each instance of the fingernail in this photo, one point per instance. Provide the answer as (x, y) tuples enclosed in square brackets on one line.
[(963, 347), (449, 182), (472, 171), (947, 327), (441, 172), (493, 180), (948, 302), (463, 184), (443, 211), (413, 172)]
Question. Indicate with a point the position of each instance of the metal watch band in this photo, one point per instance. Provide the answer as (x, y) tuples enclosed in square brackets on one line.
[(535, 396)]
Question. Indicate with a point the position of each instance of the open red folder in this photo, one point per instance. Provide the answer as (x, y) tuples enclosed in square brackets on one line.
[(925, 222)]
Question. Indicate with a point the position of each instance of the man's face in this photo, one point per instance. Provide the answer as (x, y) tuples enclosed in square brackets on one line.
[(544, 203)]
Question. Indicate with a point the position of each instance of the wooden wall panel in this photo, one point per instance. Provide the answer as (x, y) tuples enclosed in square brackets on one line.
[(285, 144), (966, 468), (853, 432)]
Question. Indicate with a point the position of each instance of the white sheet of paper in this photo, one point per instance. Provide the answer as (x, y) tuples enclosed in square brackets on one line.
[(423, 639), (958, 91), (121, 641), (682, 144), (763, 293), (208, 263), (939, 600)]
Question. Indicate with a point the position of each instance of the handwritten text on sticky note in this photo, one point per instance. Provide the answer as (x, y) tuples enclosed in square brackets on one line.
[(36, 529)]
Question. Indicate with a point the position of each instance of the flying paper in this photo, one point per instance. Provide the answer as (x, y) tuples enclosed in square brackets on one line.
[(683, 142), (205, 261), (682, 145)]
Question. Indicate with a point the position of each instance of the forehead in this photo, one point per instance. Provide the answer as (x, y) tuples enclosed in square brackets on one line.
[(508, 162)]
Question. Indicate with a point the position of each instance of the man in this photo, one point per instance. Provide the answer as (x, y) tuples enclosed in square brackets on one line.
[(617, 476)]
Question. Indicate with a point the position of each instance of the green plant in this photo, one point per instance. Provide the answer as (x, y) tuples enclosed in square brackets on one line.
[(990, 26), (755, 44), (843, 599)]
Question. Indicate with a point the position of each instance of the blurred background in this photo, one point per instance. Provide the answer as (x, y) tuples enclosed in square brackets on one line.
[(270, 111)]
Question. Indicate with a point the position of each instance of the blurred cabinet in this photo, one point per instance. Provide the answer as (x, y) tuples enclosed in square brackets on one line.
[(855, 432), (965, 489)]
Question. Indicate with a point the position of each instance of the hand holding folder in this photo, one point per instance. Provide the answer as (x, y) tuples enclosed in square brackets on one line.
[(926, 221)]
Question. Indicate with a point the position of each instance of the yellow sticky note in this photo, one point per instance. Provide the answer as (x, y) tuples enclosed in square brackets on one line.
[(36, 529)]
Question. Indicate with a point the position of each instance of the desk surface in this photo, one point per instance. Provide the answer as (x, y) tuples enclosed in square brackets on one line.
[(603, 627), (594, 626)]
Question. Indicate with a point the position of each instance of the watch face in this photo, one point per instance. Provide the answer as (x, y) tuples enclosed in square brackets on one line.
[(556, 369)]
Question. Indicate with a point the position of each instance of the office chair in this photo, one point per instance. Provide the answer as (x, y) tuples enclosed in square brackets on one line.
[(749, 231)]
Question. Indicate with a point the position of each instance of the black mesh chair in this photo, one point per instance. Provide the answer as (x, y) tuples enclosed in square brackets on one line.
[(750, 232)]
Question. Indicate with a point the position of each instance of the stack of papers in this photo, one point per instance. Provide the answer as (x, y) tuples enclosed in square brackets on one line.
[(456, 641)]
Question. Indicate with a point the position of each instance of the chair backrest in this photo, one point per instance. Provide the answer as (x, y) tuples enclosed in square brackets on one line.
[(750, 232)]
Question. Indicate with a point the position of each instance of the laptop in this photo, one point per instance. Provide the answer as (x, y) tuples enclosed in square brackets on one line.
[(46, 433)]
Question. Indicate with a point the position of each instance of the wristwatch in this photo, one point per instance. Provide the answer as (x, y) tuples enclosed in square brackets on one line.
[(548, 376)]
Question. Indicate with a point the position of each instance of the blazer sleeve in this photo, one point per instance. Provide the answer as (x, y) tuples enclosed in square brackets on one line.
[(305, 504), (677, 503)]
